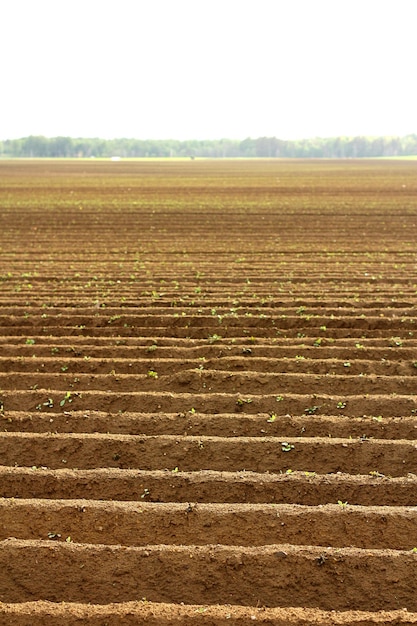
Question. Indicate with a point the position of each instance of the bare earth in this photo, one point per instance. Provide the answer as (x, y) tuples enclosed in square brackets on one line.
[(208, 409)]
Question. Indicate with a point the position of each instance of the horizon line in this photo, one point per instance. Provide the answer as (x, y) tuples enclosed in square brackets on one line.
[(397, 136)]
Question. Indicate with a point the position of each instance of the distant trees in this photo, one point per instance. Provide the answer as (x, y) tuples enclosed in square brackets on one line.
[(264, 147)]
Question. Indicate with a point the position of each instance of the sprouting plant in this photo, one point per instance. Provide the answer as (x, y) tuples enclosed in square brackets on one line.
[(49, 403), (279, 398), (376, 474), (311, 410), (242, 401), (66, 398), (146, 493), (396, 342), (272, 418), (64, 368), (317, 343), (53, 535), (341, 405), (301, 310), (152, 374), (30, 342), (213, 338), (286, 447), (152, 348), (113, 318), (342, 504), (377, 418), (346, 364)]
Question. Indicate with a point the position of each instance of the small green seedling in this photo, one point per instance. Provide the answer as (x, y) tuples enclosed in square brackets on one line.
[(286, 447), (396, 342), (66, 398), (152, 374), (311, 410), (242, 401), (54, 536), (214, 338)]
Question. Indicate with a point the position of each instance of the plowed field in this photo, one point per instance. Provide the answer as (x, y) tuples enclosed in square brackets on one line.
[(208, 392)]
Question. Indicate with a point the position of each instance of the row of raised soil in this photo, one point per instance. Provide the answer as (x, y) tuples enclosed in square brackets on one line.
[(208, 400)]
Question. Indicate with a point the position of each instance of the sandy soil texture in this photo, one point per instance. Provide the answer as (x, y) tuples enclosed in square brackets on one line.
[(208, 409)]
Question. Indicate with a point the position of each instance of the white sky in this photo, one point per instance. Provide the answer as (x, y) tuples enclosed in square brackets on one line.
[(208, 69)]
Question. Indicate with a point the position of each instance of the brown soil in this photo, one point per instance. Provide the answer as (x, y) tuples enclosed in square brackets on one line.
[(207, 393)]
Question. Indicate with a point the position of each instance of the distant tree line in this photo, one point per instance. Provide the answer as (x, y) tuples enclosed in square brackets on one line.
[(336, 147)]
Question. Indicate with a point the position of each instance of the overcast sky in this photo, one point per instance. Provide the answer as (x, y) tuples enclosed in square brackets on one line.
[(207, 69)]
